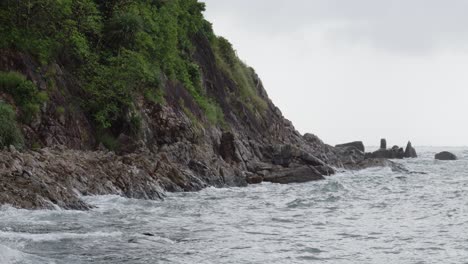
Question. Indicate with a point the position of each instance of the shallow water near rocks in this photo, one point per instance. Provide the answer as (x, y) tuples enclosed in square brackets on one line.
[(370, 216)]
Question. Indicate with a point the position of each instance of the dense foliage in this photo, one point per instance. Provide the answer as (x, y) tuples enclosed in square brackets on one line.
[(24, 92), (9, 132), (119, 49)]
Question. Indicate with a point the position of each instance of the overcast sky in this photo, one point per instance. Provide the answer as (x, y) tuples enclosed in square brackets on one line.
[(358, 70)]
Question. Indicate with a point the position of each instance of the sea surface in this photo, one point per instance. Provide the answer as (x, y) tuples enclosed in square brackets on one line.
[(370, 216)]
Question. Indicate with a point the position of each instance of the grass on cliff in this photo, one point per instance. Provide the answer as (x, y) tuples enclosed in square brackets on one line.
[(10, 134), (241, 74), (25, 94)]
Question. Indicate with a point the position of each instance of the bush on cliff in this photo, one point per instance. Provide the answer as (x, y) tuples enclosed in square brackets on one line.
[(241, 74), (120, 49), (9, 131), (24, 92)]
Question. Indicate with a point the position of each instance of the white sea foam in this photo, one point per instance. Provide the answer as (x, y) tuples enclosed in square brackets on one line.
[(372, 216)]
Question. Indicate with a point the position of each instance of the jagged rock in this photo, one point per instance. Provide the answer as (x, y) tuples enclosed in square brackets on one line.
[(126, 144), (228, 148), (383, 143), (394, 153), (294, 175), (356, 144), (410, 151), (282, 155), (445, 155), (254, 179), (313, 139)]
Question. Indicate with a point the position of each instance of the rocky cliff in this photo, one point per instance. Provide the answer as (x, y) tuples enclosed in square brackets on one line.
[(177, 147)]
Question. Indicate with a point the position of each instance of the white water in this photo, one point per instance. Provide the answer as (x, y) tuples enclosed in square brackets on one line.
[(371, 216)]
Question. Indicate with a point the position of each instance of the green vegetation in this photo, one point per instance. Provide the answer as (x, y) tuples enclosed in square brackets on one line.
[(118, 50), (235, 69), (26, 95), (9, 131)]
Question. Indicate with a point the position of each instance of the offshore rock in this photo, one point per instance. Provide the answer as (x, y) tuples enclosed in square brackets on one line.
[(410, 152), (383, 143), (445, 155)]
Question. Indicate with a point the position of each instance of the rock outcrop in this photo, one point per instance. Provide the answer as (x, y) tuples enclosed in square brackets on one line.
[(383, 143), (177, 148), (356, 144), (410, 151), (395, 152), (445, 155)]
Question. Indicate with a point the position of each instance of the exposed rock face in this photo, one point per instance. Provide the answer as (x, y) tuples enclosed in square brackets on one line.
[(445, 155), (410, 152), (357, 144), (177, 149), (52, 178)]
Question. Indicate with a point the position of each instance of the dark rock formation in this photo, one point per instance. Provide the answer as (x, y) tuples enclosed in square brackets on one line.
[(445, 155), (394, 153), (410, 152), (383, 143), (357, 145), (254, 179), (296, 174), (177, 149)]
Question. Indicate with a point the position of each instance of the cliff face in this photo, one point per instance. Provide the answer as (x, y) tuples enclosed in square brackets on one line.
[(177, 146)]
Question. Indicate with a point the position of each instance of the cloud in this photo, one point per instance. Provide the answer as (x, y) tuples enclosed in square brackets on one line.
[(408, 26), (358, 69)]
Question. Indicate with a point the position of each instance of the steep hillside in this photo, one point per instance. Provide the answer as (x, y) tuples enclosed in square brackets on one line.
[(136, 98)]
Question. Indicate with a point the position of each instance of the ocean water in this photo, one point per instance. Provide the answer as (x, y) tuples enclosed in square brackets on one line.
[(370, 216)]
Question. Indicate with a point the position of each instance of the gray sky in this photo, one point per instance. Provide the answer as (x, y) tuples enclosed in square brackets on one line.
[(358, 70)]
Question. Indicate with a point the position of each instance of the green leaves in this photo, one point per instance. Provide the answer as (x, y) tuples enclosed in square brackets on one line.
[(25, 94), (118, 49), (9, 131)]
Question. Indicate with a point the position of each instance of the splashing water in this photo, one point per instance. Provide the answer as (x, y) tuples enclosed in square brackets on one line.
[(370, 216)]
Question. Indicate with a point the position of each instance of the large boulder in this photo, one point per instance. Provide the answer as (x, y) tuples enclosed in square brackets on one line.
[(356, 144), (445, 155), (295, 174), (410, 152)]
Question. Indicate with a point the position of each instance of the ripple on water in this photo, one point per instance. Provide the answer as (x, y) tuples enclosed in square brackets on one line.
[(373, 216)]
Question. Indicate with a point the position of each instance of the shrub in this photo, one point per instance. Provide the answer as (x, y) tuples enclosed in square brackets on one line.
[(26, 95), (9, 131), (237, 71)]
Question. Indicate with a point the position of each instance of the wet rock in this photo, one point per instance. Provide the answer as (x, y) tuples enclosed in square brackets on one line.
[(445, 155), (410, 151), (297, 174), (254, 179), (356, 144), (394, 153)]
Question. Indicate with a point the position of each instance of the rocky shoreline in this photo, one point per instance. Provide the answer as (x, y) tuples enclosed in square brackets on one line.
[(176, 147), (57, 177)]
